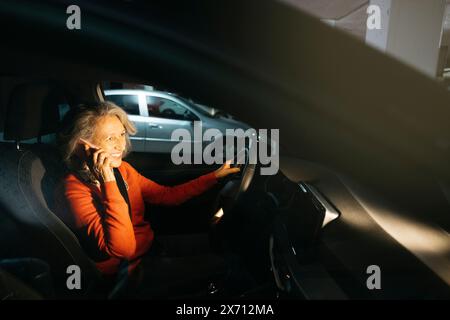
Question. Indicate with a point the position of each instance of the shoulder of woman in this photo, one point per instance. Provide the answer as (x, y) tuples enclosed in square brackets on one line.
[(73, 181), (127, 169)]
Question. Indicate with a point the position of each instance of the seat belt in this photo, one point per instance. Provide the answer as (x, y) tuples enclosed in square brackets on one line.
[(122, 188), (124, 263)]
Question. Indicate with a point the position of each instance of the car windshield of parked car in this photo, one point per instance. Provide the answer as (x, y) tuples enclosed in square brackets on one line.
[(194, 106)]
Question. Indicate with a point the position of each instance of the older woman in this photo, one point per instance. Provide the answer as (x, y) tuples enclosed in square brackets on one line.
[(107, 219)]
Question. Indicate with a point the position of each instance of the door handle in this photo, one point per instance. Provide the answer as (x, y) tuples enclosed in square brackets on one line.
[(154, 126)]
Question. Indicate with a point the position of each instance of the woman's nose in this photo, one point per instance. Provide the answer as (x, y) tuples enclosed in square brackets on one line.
[(119, 147)]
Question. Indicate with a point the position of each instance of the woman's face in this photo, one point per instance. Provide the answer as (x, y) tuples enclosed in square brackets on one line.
[(109, 134)]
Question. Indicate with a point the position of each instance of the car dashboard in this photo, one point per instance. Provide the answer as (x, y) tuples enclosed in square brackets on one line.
[(302, 212), (325, 237)]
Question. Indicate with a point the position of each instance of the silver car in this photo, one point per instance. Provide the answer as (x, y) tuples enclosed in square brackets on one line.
[(157, 114)]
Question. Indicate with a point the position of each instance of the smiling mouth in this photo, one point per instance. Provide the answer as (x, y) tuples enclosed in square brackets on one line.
[(116, 155)]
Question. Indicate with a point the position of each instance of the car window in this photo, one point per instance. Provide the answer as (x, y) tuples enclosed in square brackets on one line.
[(128, 102), (50, 138), (168, 109)]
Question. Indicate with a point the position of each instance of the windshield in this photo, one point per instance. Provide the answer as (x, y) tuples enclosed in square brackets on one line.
[(196, 107)]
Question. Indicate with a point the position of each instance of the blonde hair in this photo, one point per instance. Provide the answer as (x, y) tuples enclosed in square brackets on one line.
[(81, 122)]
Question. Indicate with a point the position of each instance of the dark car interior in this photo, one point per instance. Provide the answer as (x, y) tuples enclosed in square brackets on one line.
[(29, 150), (274, 227), (308, 232)]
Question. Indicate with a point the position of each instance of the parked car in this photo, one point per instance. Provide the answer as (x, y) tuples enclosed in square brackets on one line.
[(156, 114)]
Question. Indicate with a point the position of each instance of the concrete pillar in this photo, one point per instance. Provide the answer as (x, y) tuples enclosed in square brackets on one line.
[(410, 30)]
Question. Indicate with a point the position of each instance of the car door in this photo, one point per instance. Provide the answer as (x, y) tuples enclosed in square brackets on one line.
[(164, 116), (130, 102)]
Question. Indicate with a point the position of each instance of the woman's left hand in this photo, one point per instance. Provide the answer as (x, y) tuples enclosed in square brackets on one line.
[(225, 170)]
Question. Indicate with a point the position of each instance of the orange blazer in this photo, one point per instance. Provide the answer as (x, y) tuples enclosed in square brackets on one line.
[(100, 219)]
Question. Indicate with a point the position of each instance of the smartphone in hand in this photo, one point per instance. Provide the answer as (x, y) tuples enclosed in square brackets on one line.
[(89, 144)]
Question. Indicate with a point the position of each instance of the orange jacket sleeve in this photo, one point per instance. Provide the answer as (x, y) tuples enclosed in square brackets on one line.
[(155, 193), (110, 227)]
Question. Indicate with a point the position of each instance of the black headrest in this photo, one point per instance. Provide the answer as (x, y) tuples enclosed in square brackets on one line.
[(32, 111)]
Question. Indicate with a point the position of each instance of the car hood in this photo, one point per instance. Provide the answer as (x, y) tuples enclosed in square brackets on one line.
[(225, 123)]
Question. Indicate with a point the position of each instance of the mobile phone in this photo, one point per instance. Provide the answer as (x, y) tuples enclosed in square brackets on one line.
[(90, 144)]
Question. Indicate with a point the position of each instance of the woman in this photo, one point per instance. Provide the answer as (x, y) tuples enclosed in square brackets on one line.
[(93, 141)]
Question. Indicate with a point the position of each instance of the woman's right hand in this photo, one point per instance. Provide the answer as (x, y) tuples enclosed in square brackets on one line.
[(99, 163)]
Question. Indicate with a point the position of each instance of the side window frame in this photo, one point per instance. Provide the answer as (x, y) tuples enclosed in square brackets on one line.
[(143, 111)]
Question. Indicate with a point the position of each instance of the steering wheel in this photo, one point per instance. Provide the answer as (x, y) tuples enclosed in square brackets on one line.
[(237, 184)]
